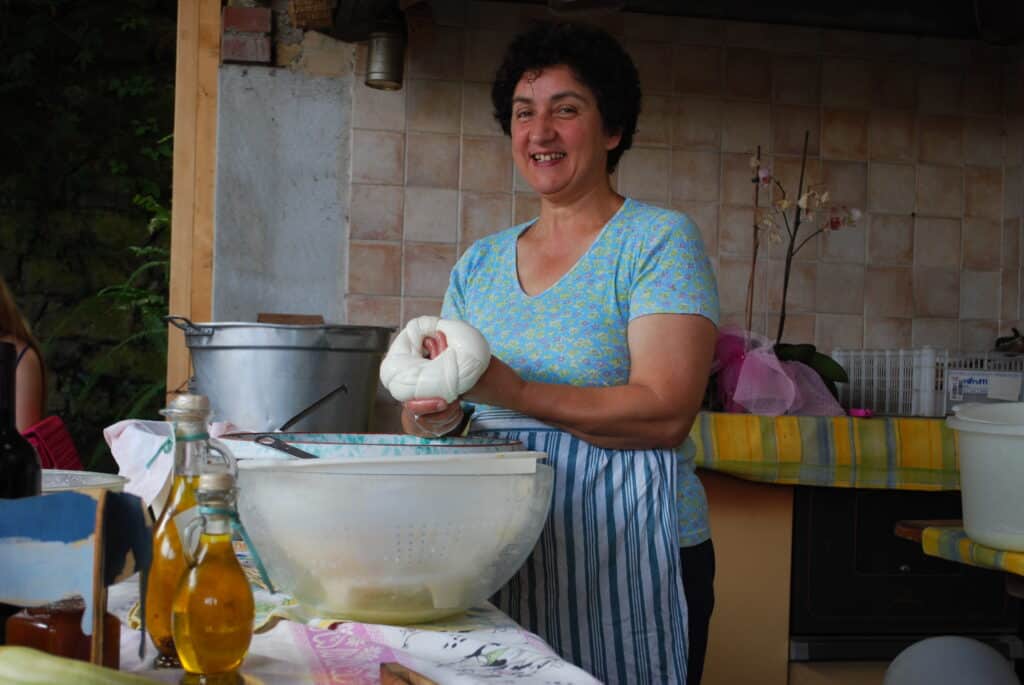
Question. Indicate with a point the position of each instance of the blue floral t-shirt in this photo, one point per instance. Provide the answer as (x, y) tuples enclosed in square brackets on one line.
[(646, 260)]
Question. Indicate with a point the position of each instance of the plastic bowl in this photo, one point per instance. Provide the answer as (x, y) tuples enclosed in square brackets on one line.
[(391, 548), (340, 445), (59, 480)]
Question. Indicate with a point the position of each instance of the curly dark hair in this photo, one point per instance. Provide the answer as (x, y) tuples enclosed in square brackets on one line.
[(596, 60)]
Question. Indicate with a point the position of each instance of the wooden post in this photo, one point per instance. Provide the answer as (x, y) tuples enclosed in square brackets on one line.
[(195, 162)]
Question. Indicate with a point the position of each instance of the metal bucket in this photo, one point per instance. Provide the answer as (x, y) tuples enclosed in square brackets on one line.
[(261, 376)]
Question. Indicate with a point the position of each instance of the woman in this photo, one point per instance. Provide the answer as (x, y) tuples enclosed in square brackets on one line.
[(30, 374), (601, 315)]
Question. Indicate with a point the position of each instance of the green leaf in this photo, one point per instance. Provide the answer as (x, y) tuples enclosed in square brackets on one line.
[(795, 353), (828, 369)]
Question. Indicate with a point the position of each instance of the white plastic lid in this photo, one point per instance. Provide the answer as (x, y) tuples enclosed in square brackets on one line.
[(998, 418)]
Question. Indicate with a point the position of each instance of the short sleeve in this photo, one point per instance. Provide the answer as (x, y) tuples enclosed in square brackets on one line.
[(673, 274)]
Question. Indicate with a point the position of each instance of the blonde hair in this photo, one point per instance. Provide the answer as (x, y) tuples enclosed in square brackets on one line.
[(14, 325)]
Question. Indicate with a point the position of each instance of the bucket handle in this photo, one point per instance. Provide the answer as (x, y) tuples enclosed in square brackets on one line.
[(185, 324), (309, 410)]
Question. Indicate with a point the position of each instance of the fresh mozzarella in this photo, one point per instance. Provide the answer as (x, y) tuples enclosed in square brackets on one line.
[(409, 376)]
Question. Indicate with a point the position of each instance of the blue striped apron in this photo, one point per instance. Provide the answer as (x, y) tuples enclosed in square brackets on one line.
[(602, 586)]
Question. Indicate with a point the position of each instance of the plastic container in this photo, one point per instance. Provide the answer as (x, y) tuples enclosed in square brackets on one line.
[(393, 548), (344, 445), (991, 442), (59, 480)]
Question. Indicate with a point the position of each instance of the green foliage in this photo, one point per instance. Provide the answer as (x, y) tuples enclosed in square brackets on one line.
[(84, 193)]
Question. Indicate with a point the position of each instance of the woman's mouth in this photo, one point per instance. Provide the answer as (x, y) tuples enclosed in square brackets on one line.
[(542, 157)]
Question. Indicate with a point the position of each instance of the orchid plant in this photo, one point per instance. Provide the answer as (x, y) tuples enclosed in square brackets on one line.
[(781, 223)]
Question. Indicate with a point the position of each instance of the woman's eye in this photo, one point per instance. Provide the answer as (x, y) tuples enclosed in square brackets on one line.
[(523, 114), (567, 111)]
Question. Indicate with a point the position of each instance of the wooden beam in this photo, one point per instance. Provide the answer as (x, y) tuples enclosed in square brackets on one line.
[(195, 159)]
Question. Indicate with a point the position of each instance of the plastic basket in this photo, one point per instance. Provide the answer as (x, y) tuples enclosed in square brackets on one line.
[(911, 382)]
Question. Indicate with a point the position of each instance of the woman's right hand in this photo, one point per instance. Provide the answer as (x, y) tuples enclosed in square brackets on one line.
[(432, 417)]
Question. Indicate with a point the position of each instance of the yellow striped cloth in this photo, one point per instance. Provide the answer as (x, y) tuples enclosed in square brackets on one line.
[(952, 543), (884, 452)]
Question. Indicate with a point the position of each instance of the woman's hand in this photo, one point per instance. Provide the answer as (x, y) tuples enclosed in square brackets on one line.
[(433, 417)]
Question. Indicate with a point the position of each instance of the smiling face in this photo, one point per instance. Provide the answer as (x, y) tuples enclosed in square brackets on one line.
[(558, 139)]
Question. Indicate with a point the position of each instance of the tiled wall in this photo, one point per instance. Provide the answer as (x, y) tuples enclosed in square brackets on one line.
[(925, 135)]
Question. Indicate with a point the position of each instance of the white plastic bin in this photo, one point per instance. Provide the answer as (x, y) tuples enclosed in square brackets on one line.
[(991, 440)]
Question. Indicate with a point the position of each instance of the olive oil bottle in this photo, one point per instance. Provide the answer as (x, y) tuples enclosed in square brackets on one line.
[(213, 609), (193, 454)]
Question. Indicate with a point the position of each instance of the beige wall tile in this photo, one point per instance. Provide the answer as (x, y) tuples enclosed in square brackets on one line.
[(832, 331), (983, 90), (932, 50), (527, 207), (979, 294), (745, 125), (891, 188), (804, 286), (733, 276), (983, 192), (484, 50), (644, 174), (786, 170), (896, 84), (940, 89), (375, 212), (653, 64), (847, 82), (478, 112), (697, 122), (936, 292), (484, 214), (799, 328), (1013, 150), (844, 134), (693, 31), (748, 74), (378, 157), (705, 215), (891, 239), (941, 139), (1011, 244), (434, 106), (431, 214), (425, 269), (695, 175), (1010, 295), (486, 165), (737, 177), (887, 333), (375, 268), (983, 141), (697, 69), (433, 160), (413, 307), (942, 333), (735, 231), (840, 289), (886, 46), (654, 129), (847, 182), (937, 242), (370, 310), (939, 190), (373, 108), (436, 52), (888, 291), (893, 135), (1013, 192), (796, 80), (647, 27), (978, 336), (982, 239), (480, 14), (845, 244), (790, 123), (844, 43)]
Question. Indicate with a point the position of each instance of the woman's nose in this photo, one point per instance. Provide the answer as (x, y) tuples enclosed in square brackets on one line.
[(541, 129)]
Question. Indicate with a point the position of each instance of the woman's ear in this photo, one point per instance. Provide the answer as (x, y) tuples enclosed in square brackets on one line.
[(612, 140)]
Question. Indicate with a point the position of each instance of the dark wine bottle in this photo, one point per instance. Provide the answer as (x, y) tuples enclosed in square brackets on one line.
[(20, 474)]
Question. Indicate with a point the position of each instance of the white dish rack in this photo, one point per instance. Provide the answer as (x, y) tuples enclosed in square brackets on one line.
[(912, 382)]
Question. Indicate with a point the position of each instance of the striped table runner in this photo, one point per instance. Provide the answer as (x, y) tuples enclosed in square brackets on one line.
[(952, 543)]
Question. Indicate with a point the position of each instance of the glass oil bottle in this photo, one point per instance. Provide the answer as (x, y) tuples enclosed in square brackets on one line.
[(213, 609), (194, 452)]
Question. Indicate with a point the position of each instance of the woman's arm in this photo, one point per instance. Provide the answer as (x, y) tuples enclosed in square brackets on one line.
[(28, 407), (670, 362)]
